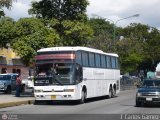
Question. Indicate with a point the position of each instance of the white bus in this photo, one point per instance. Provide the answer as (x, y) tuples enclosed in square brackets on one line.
[(75, 73)]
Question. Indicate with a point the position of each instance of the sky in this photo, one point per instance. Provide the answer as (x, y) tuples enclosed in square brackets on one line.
[(111, 10)]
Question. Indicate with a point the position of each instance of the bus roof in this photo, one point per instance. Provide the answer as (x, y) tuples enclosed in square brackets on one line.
[(68, 48)]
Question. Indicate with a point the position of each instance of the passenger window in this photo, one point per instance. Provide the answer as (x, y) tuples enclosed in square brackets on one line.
[(91, 60), (113, 62), (85, 58), (108, 60), (103, 62), (98, 62), (79, 57)]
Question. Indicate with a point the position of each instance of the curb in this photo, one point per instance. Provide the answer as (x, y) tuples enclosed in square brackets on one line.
[(16, 103)]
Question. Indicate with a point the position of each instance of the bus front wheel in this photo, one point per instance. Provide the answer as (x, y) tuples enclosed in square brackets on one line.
[(83, 97), (110, 93)]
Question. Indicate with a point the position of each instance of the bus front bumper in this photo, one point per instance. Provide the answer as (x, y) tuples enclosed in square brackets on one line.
[(56, 96)]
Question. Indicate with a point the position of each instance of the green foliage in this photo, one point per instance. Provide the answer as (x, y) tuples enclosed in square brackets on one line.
[(65, 23), (76, 33), (7, 32), (103, 34), (25, 51), (101, 26), (2, 14), (6, 3), (130, 53), (31, 36), (143, 41), (60, 9)]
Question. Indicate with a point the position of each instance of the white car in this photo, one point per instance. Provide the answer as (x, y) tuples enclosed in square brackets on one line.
[(28, 82)]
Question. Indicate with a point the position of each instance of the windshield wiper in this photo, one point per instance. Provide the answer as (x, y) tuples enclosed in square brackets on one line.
[(56, 78), (58, 81)]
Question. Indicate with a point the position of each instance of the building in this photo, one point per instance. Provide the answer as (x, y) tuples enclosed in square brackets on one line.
[(11, 63)]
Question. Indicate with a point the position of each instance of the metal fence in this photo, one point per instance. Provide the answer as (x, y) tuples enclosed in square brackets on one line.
[(128, 82)]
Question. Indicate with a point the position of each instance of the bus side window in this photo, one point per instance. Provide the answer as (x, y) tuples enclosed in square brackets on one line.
[(79, 76)]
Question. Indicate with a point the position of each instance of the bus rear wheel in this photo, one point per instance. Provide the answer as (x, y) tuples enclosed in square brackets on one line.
[(113, 92)]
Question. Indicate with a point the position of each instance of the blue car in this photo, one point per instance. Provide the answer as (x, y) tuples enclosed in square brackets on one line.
[(148, 92), (8, 82)]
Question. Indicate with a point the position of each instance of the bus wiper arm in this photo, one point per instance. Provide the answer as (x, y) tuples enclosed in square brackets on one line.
[(58, 81)]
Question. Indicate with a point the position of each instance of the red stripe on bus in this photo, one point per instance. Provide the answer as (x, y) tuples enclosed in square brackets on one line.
[(55, 56)]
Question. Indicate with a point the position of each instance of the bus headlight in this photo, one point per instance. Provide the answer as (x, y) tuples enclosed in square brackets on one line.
[(68, 90), (38, 90)]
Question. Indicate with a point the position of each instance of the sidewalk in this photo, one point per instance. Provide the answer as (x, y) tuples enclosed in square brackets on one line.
[(8, 100)]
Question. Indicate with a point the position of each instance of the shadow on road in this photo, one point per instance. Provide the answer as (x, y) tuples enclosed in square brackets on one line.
[(149, 106), (71, 102), (126, 105), (26, 93)]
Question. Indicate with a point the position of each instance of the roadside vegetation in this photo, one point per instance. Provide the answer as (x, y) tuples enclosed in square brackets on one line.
[(65, 23)]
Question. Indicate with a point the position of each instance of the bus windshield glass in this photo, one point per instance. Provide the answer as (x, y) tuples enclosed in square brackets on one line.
[(58, 73)]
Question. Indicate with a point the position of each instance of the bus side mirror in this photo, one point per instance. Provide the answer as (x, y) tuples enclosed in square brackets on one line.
[(80, 78)]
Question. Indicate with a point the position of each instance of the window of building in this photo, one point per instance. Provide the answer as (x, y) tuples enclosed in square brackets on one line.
[(14, 71), (19, 71), (4, 70)]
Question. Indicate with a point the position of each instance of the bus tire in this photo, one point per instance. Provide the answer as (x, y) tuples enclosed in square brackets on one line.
[(110, 93), (113, 92), (83, 97), (37, 102), (138, 104)]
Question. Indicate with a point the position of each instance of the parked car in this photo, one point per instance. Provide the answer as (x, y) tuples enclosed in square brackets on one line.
[(8, 82), (148, 92), (30, 82)]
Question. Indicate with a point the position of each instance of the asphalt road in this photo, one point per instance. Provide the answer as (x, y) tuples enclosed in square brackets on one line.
[(120, 107)]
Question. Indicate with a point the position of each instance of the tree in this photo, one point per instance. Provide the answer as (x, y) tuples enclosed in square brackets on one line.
[(76, 33), (103, 34), (32, 35), (67, 17), (2, 13), (6, 3), (60, 9), (145, 42), (129, 54), (7, 31)]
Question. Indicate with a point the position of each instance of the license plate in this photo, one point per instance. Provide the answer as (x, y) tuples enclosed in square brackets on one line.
[(149, 99), (53, 97)]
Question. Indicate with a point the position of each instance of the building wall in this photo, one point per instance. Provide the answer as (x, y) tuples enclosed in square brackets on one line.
[(11, 63), (9, 54)]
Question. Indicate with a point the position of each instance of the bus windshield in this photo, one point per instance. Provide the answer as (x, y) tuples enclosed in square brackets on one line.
[(61, 73)]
